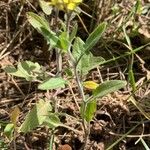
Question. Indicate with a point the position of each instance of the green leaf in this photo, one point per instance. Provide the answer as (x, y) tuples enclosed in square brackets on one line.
[(89, 62), (132, 79), (25, 69), (50, 37), (8, 131), (108, 87), (13, 71), (45, 6), (42, 26), (89, 110), (69, 72), (36, 116), (74, 32), (95, 36), (127, 38), (78, 48), (52, 121), (37, 21), (30, 66), (52, 83), (64, 41)]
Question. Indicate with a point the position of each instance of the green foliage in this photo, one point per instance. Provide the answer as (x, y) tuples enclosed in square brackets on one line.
[(46, 8), (108, 87), (3, 145), (64, 41), (89, 62), (131, 79), (8, 131), (95, 36), (36, 116), (81, 60), (52, 83), (73, 33), (41, 25), (90, 109), (52, 121), (38, 22), (85, 61), (78, 48), (25, 69)]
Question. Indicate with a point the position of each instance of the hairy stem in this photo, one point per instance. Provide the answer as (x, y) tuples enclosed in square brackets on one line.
[(80, 87)]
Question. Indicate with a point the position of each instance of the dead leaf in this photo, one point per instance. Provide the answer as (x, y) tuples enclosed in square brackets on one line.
[(15, 115)]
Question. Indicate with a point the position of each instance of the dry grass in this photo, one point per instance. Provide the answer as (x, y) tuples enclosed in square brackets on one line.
[(116, 114)]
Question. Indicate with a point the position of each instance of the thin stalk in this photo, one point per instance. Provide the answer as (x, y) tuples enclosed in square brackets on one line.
[(86, 126), (59, 62), (80, 87), (51, 140), (58, 51)]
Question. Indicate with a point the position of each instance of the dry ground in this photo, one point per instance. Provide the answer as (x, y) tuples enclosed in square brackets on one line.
[(115, 115)]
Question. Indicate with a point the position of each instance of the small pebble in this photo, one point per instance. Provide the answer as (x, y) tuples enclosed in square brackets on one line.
[(64, 147)]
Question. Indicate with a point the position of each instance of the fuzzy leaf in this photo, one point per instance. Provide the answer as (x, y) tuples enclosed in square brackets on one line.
[(52, 83), (42, 26), (37, 21), (89, 62), (78, 48), (52, 121), (45, 6), (8, 131), (36, 116), (90, 110), (95, 36), (24, 69), (108, 87), (64, 41)]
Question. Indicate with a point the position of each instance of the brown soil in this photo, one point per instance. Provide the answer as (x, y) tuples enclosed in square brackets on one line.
[(115, 115)]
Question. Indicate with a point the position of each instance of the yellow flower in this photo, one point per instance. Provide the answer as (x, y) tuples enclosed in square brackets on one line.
[(91, 85), (65, 4)]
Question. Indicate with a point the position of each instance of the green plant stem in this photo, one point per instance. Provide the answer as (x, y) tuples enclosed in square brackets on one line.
[(85, 126), (80, 87), (59, 62), (51, 140), (58, 51)]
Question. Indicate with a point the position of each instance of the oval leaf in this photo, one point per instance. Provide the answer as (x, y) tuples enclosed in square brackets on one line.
[(42, 26), (89, 110), (52, 83), (36, 116), (52, 121), (95, 36), (108, 87), (45, 6), (8, 131)]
